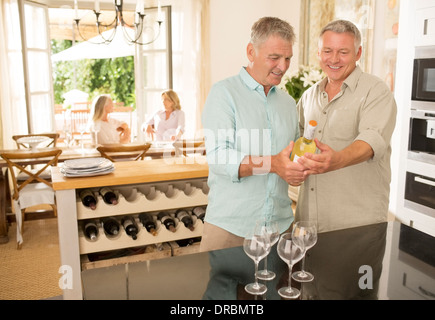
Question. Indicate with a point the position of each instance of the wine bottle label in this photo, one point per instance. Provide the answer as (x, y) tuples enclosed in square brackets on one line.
[(163, 219), (86, 192), (182, 214), (309, 132), (104, 190), (295, 159)]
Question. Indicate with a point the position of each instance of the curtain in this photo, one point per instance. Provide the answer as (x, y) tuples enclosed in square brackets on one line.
[(191, 59), (12, 93)]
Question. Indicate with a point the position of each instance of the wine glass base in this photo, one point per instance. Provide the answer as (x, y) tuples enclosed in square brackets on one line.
[(265, 275), (289, 292), (302, 276), (256, 289)]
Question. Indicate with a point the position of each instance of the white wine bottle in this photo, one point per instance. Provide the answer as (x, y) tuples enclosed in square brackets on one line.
[(306, 143)]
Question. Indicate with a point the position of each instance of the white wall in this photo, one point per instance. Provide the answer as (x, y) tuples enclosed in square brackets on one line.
[(230, 29)]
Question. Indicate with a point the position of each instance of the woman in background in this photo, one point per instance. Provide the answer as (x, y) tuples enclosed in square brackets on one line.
[(109, 130), (168, 123)]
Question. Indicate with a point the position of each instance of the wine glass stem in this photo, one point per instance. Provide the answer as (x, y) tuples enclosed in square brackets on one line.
[(290, 268), (303, 264), (81, 140), (255, 274), (265, 264)]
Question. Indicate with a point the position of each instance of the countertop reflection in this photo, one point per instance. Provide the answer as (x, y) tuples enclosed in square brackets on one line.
[(379, 261)]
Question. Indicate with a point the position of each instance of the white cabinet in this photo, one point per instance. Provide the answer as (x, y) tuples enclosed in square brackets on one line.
[(416, 28), (425, 25)]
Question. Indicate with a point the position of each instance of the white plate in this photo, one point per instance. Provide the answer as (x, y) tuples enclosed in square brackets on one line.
[(87, 174), (85, 163)]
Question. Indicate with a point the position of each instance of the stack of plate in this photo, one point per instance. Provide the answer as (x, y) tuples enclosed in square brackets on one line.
[(87, 167)]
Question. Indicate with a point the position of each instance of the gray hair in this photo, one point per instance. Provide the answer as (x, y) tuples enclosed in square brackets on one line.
[(267, 26), (342, 26)]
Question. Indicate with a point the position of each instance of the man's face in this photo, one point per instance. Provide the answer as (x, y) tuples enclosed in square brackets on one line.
[(337, 55), (270, 61)]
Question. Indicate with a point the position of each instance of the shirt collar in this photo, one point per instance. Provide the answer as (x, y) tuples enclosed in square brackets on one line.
[(250, 82), (351, 81)]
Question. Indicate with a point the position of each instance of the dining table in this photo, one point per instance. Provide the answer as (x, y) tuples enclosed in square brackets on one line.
[(156, 151)]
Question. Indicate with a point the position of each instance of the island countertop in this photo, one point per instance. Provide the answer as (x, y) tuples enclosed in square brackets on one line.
[(133, 172)]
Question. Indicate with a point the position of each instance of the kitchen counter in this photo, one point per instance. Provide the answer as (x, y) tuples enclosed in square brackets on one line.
[(387, 261)]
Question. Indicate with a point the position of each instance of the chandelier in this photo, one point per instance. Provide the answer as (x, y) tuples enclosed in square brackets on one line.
[(132, 31)]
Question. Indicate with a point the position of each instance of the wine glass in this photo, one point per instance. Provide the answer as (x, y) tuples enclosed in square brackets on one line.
[(290, 252), (256, 247), (306, 232), (271, 231), (95, 128), (82, 130)]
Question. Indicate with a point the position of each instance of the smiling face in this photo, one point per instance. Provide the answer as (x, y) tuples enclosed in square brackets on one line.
[(338, 55), (269, 61)]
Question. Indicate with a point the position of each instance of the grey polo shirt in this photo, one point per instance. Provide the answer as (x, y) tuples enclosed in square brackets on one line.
[(357, 195)]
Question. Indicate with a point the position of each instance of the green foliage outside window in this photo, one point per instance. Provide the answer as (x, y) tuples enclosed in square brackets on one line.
[(94, 76)]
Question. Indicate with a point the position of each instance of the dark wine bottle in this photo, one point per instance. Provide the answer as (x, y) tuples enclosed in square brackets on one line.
[(109, 196), (91, 230), (88, 198), (199, 212), (167, 220), (111, 226), (183, 216), (148, 222), (130, 227)]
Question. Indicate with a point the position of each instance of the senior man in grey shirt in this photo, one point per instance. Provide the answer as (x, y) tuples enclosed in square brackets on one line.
[(349, 176)]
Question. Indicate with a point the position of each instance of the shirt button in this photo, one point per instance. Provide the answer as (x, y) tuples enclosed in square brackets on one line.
[(324, 112), (312, 189)]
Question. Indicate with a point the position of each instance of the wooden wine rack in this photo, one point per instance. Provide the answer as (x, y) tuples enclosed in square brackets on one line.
[(142, 186)]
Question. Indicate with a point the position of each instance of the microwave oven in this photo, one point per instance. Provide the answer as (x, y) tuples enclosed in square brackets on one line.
[(423, 79)]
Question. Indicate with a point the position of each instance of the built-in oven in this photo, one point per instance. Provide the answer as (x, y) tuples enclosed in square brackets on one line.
[(420, 193), (420, 175), (423, 82)]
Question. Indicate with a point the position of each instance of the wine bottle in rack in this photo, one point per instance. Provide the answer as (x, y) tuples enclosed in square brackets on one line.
[(130, 227), (88, 198), (111, 226), (147, 220), (185, 217), (90, 230), (167, 220), (108, 195), (199, 212)]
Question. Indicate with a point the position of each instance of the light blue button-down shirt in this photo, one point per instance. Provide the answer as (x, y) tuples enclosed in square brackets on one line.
[(240, 120)]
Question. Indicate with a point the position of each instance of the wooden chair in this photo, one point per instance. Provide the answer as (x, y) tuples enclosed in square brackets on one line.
[(51, 142), (186, 147), (35, 190), (123, 152)]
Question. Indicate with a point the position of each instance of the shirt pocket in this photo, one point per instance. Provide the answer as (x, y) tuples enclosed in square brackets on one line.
[(342, 125)]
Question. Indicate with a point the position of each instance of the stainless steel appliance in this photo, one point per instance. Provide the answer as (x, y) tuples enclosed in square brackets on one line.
[(420, 193), (421, 144), (420, 175), (423, 82)]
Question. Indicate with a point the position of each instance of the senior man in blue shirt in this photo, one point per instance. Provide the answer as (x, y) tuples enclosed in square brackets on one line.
[(250, 126)]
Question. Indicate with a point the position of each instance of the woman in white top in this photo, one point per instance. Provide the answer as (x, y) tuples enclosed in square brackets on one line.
[(110, 130), (166, 124)]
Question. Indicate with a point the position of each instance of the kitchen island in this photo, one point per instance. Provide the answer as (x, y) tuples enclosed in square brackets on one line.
[(141, 186)]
